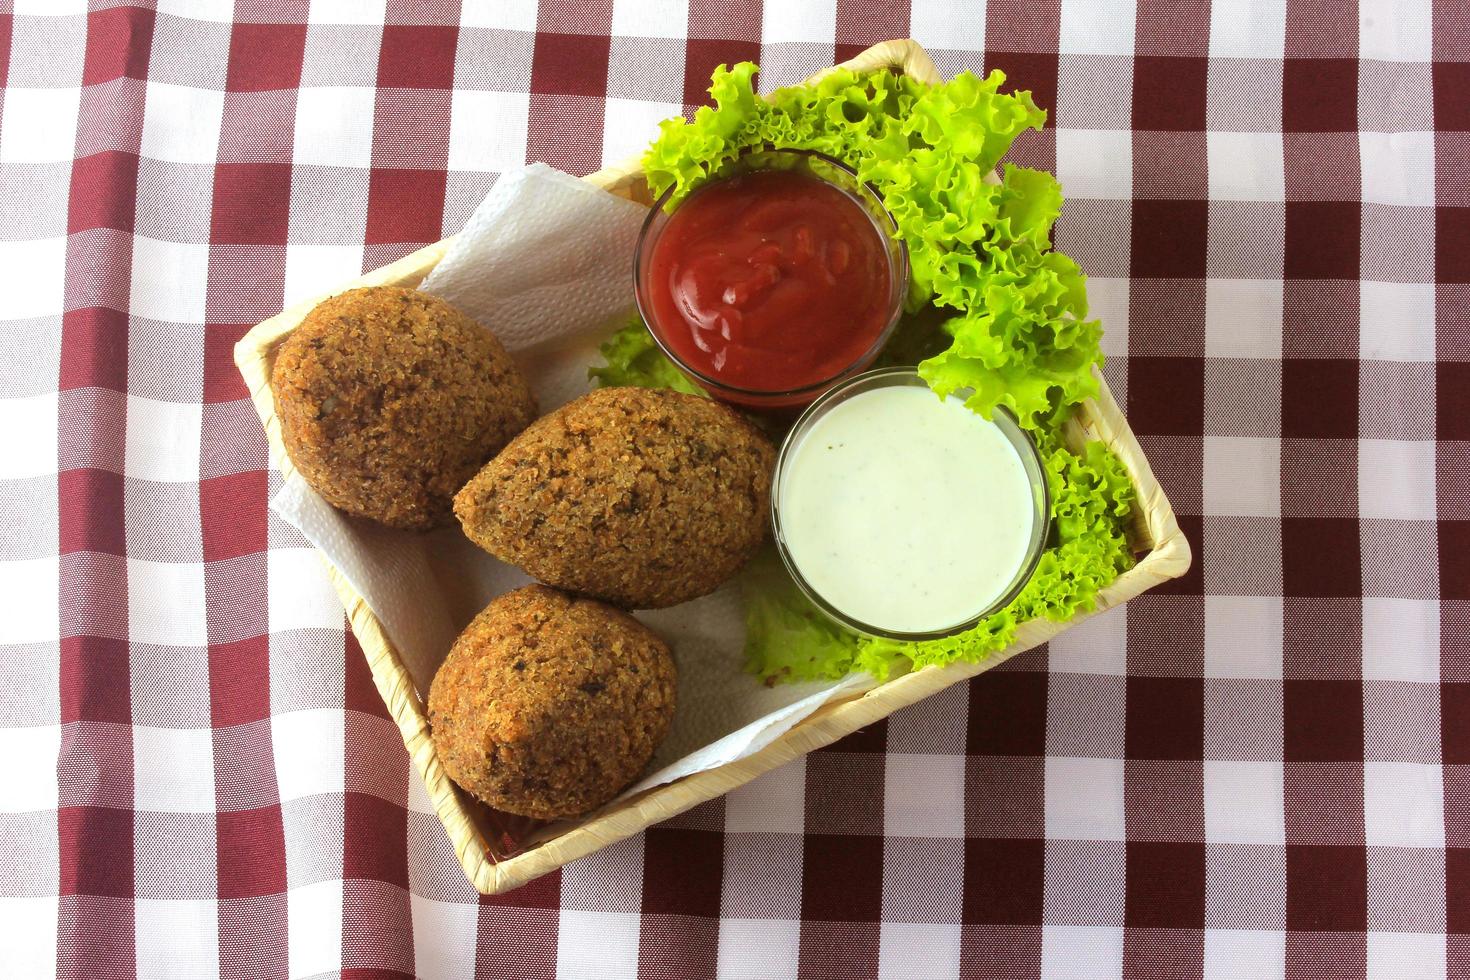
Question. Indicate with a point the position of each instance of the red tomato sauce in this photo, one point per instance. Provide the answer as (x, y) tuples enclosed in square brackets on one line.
[(770, 281)]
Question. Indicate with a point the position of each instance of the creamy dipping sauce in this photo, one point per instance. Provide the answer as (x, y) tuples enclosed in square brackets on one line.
[(905, 512)]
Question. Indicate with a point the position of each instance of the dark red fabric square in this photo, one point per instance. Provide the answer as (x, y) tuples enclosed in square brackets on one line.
[(842, 878), (417, 56), (103, 192), (1323, 239), (94, 349), (96, 849), (1454, 720), (570, 64), (1166, 717), (702, 55), (7, 27), (1322, 720), (252, 851), (1457, 889), (93, 515), (1319, 95), (1028, 71), (1003, 880), (239, 683), (1319, 398), (862, 25), (1451, 107), (677, 946), (1320, 557), (360, 693), (119, 41), (371, 818), (96, 683), (1166, 395), (405, 206), (1169, 239), (1452, 241), (232, 513), (1165, 885), (222, 380), (252, 204), (1452, 400), (1326, 888), (265, 57), (1007, 714), (1169, 93), (1454, 559), (682, 871), (869, 738)]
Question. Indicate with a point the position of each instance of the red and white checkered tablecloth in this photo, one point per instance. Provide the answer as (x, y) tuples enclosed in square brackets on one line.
[(1263, 770)]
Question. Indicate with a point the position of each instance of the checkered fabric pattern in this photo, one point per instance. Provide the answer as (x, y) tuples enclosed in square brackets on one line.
[(1262, 770)]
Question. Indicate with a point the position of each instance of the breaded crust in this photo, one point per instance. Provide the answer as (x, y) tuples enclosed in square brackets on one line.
[(642, 497), (547, 705), (390, 399)]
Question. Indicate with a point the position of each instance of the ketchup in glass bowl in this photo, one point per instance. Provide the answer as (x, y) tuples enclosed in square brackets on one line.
[(773, 281)]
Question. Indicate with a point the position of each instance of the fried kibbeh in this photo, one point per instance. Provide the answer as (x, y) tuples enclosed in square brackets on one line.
[(390, 399), (548, 705), (642, 497)]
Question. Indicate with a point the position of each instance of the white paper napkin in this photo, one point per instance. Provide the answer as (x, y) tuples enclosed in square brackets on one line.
[(546, 262)]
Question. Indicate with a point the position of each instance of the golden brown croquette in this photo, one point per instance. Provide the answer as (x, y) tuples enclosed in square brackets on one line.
[(390, 399), (548, 705)]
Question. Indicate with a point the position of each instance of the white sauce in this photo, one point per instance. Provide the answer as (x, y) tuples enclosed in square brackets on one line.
[(906, 512)]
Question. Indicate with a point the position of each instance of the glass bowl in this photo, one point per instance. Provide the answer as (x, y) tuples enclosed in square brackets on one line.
[(810, 163), (1006, 422)]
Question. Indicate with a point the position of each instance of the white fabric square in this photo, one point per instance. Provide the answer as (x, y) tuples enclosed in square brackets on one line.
[(1248, 29), (487, 130), (1396, 479), (166, 603), (1084, 798), (301, 595), (1070, 952), (814, 23), (918, 950), (1387, 624), (1406, 956), (169, 279), (650, 18), (629, 125), (40, 125), (218, 11), (29, 946), (504, 15), (1095, 163), (1243, 318), (30, 755), (1396, 321), (51, 8), (313, 920), (442, 933), (312, 270), (924, 795), (30, 427), (181, 123), (1089, 27), (759, 949), (347, 12), (173, 769), (1396, 30), (334, 126), (163, 440), (1107, 302), (1243, 636), (1231, 954), (33, 276), (597, 945), (945, 24), (1403, 804), (1244, 803), (177, 939), (1397, 168), (1245, 166), (774, 803), (32, 613), (1242, 476), (1097, 645), (308, 752)]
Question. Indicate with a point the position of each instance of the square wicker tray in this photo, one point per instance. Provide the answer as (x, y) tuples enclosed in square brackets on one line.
[(1155, 534)]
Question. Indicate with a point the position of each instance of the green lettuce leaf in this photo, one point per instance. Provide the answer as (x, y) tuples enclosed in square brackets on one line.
[(632, 359)]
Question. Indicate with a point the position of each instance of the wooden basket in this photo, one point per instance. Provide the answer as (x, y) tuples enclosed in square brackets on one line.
[(1155, 533)]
